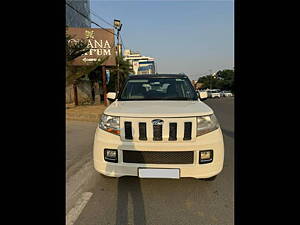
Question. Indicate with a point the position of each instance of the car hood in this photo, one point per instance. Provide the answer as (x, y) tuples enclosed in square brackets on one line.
[(158, 109)]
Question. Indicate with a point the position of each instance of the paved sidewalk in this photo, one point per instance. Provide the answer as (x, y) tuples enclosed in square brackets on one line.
[(84, 112)]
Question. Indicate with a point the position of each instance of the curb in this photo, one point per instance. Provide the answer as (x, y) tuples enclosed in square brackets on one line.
[(82, 113), (83, 117)]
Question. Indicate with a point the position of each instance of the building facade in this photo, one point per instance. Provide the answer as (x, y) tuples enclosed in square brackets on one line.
[(140, 64), (74, 19)]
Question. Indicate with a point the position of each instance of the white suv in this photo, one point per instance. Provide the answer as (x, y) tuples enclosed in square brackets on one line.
[(158, 128), (226, 94), (214, 94)]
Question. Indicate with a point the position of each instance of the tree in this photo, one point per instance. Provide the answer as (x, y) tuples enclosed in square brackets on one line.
[(227, 77), (205, 80), (224, 80), (125, 69)]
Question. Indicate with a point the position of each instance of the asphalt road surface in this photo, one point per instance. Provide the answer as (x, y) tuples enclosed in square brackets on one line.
[(95, 200)]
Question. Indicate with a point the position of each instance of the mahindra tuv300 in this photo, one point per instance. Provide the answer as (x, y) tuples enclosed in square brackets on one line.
[(157, 127)]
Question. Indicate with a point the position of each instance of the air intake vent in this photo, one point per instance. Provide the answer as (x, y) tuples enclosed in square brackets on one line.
[(187, 131), (173, 132), (186, 157), (142, 131), (157, 132), (128, 130)]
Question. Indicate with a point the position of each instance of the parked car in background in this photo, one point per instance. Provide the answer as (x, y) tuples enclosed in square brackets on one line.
[(203, 95), (226, 94), (214, 93)]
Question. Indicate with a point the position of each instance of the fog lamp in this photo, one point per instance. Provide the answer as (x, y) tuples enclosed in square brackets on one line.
[(111, 155), (205, 156)]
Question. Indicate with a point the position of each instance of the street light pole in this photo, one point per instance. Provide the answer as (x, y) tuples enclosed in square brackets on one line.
[(118, 26), (118, 63)]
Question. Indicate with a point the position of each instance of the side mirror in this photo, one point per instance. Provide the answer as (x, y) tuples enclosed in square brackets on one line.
[(111, 96)]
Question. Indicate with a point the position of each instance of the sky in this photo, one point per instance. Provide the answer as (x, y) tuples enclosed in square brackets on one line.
[(191, 37)]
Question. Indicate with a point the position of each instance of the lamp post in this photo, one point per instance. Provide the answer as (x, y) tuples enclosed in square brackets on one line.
[(118, 26), (212, 75)]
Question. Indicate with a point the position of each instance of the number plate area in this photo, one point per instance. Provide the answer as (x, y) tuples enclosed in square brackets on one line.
[(158, 173)]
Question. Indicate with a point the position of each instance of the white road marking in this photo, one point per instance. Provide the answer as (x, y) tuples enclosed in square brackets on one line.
[(76, 182), (79, 206)]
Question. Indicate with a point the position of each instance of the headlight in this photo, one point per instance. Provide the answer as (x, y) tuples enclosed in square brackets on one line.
[(110, 124), (206, 124)]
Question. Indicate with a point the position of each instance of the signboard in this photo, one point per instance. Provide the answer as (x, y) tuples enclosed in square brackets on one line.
[(101, 44)]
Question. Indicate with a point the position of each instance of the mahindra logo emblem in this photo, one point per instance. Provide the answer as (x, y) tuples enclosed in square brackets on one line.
[(157, 122)]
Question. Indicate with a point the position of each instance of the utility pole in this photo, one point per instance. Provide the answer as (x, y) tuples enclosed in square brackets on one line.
[(118, 26), (103, 72), (118, 63)]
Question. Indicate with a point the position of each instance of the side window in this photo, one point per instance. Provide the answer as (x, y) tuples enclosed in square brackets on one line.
[(180, 88), (186, 90), (164, 88)]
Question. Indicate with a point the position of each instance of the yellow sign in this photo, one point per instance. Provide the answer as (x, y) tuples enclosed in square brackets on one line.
[(89, 34)]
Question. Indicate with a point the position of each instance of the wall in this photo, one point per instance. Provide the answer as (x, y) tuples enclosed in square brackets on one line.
[(84, 92)]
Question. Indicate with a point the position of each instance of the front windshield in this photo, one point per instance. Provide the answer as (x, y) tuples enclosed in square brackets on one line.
[(158, 89)]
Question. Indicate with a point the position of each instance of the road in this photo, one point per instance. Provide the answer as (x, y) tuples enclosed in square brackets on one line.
[(94, 200)]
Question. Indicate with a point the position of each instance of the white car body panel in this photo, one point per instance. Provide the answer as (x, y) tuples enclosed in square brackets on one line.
[(158, 109), (213, 140), (169, 111)]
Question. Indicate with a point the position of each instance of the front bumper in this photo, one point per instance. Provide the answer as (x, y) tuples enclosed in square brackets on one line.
[(212, 140)]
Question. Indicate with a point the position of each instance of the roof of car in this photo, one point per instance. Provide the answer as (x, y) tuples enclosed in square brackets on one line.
[(157, 76)]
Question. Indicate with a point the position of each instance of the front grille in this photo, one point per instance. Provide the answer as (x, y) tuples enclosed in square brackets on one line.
[(186, 157), (172, 129)]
